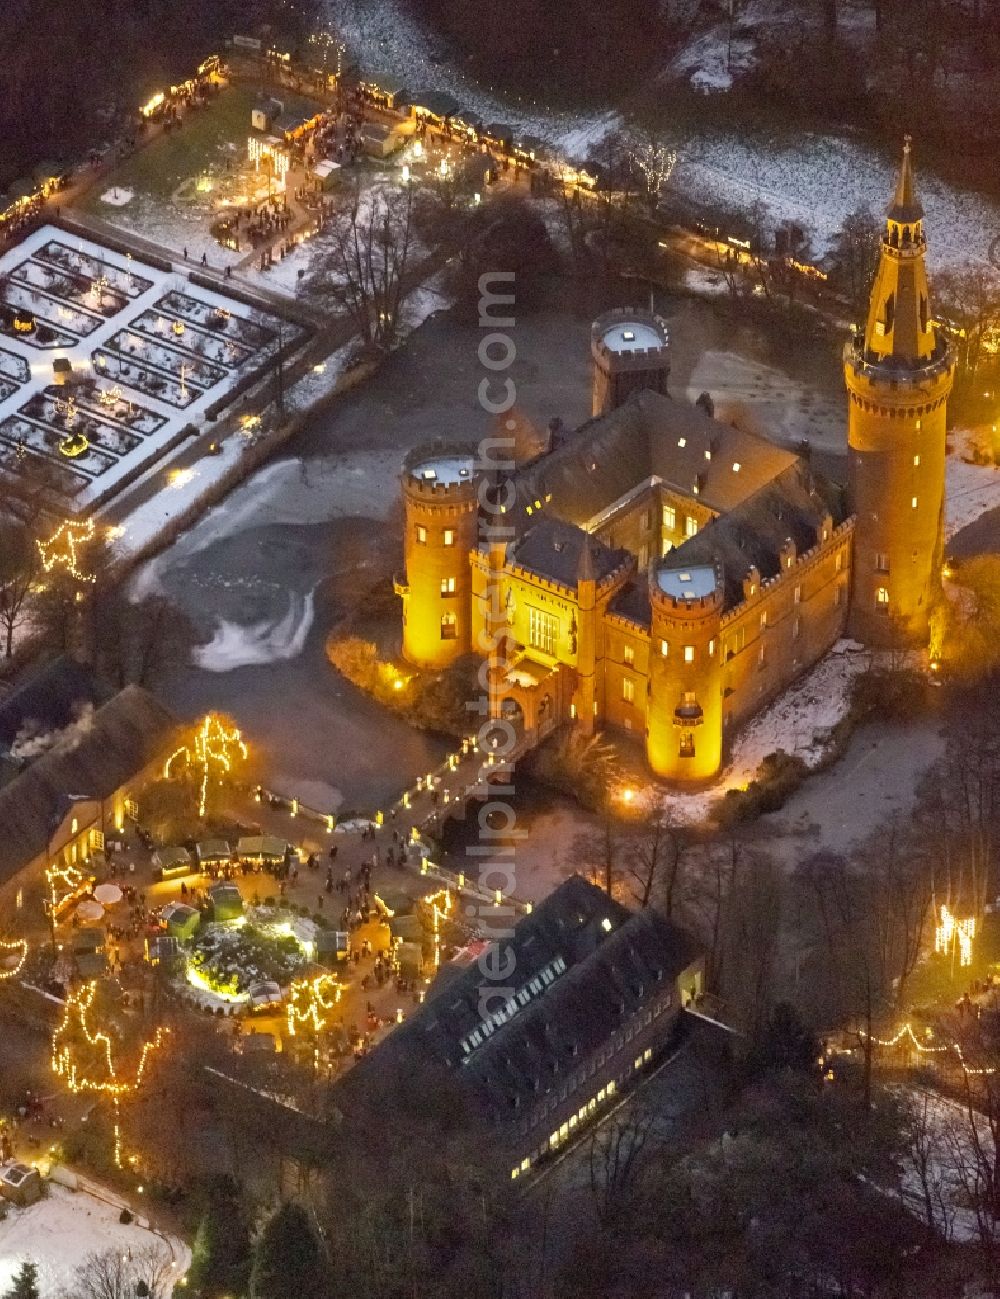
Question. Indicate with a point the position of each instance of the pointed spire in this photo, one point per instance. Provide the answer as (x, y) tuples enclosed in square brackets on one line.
[(906, 207)]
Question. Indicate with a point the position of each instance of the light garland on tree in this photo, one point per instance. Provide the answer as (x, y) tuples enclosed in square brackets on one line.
[(438, 914), (75, 1021), (20, 946), (72, 880), (951, 930), (924, 1049), (62, 548), (310, 1001), (215, 746)]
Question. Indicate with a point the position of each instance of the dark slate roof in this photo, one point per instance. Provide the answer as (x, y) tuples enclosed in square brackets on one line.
[(554, 549), (127, 733), (609, 456), (753, 534), (50, 698), (632, 602), (602, 961)]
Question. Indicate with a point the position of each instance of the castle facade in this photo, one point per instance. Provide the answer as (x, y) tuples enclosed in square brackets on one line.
[(667, 575)]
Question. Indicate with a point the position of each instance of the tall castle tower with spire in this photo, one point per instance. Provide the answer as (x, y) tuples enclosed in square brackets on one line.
[(899, 376)]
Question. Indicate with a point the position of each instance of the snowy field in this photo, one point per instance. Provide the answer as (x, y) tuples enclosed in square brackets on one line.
[(972, 490), (149, 353), (61, 1230), (815, 181), (820, 179)]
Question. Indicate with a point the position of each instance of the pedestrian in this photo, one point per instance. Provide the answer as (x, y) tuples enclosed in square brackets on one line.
[(185, 254)]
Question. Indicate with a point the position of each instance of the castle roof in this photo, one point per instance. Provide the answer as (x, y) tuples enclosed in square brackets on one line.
[(792, 507), (566, 554), (905, 207), (648, 436)]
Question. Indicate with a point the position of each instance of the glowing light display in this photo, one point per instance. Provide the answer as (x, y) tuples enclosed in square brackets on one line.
[(310, 1002), (951, 932), (62, 550), (215, 748)]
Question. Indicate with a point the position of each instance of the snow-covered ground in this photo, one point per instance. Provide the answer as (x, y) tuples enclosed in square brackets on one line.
[(972, 490), (155, 350), (946, 1166), (61, 1230), (235, 646), (819, 179), (799, 722)]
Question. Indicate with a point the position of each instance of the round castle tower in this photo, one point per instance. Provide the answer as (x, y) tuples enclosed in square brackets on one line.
[(684, 710), (630, 350), (899, 376), (441, 504)]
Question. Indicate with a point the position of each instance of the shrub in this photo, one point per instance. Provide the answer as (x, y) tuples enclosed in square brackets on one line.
[(888, 694), (125, 1217), (778, 777)]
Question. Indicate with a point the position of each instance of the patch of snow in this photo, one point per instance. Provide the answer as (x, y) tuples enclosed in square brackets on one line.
[(947, 1163), (799, 722), (61, 1230), (234, 646), (971, 490), (116, 197), (709, 283)]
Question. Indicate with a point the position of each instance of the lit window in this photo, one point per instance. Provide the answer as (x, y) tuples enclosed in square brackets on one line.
[(449, 627), (19, 900), (628, 654), (664, 648), (916, 462), (74, 826), (543, 631), (840, 561), (670, 517), (687, 745), (421, 534), (798, 595), (711, 648), (920, 425), (628, 690), (514, 1173), (882, 599), (913, 502), (690, 526), (682, 442), (447, 586), (708, 453), (763, 621), (736, 466), (449, 536), (688, 653)]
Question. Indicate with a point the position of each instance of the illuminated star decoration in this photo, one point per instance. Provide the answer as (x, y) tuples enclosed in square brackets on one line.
[(73, 1030), (20, 948), (62, 550), (216, 746), (310, 1001)]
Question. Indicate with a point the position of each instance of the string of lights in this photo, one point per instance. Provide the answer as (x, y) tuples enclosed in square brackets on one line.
[(62, 550), (18, 945), (215, 746), (924, 1048), (310, 1001)]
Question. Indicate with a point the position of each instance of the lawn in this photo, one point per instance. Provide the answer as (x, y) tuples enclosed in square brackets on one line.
[(209, 138)]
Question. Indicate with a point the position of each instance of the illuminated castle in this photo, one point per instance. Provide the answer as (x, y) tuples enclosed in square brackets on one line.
[(666, 574)]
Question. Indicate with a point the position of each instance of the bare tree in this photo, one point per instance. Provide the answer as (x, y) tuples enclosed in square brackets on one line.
[(114, 1275), (656, 161), (365, 274)]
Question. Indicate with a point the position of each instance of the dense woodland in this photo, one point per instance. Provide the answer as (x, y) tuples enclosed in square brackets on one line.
[(71, 69)]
